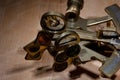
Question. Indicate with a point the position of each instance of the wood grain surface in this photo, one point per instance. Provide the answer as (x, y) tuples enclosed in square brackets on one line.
[(19, 25)]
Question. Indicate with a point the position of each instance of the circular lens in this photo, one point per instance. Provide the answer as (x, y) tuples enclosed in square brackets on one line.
[(53, 22), (73, 51), (58, 67), (61, 57)]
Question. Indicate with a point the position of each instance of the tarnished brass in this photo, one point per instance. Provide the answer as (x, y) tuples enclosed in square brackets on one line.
[(61, 56), (43, 38), (61, 66), (58, 67), (73, 10), (36, 48), (68, 40), (53, 22), (51, 49), (34, 51), (73, 50)]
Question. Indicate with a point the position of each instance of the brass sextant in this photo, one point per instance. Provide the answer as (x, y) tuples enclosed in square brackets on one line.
[(69, 40)]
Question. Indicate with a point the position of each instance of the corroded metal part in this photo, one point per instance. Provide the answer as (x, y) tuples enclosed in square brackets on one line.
[(73, 10), (61, 56), (58, 67), (53, 22), (80, 23), (111, 65), (73, 50), (66, 39), (107, 34), (36, 48), (43, 38), (95, 21), (61, 66), (87, 54), (114, 12), (51, 49), (34, 52)]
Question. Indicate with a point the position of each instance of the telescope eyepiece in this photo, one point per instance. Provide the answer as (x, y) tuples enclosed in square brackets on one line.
[(73, 10)]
